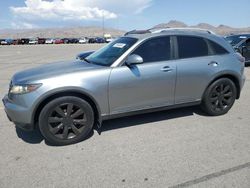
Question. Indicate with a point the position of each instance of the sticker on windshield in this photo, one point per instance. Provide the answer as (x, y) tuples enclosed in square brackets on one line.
[(119, 45), (243, 37)]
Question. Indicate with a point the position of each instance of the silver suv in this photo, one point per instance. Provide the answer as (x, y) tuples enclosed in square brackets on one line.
[(133, 74)]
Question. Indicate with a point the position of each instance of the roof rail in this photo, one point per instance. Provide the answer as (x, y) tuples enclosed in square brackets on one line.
[(161, 30), (137, 32), (180, 29)]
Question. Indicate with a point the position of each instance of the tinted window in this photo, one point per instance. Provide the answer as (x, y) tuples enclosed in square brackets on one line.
[(248, 42), (217, 49), (191, 47), (155, 49)]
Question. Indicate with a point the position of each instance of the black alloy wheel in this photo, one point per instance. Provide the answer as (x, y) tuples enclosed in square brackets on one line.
[(66, 120), (219, 97)]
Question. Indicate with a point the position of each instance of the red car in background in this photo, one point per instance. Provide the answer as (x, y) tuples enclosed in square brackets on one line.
[(59, 41)]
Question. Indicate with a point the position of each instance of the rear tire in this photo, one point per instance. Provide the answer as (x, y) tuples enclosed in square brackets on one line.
[(66, 120), (219, 97)]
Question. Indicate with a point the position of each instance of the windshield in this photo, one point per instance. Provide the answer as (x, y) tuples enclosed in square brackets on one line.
[(111, 52), (233, 40)]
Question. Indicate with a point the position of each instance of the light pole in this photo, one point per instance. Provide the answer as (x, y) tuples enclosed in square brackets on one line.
[(103, 23)]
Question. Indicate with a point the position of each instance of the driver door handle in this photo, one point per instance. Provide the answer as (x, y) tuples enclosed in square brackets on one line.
[(166, 69)]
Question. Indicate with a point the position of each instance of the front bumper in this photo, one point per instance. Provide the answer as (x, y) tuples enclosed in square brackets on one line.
[(19, 115)]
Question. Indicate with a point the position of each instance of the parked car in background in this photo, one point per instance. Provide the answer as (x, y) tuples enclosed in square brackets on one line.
[(99, 40), (241, 43), (65, 40), (17, 41), (133, 74), (58, 41), (108, 38), (41, 40), (73, 40), (24, 41), (236, 39), (49, 41), (1, 40), (7, 42), (33, 41), (91, 40), (83, 40)]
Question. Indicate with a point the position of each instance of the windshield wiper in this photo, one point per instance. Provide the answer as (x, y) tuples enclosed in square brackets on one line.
[(86, 60), (91, 62)]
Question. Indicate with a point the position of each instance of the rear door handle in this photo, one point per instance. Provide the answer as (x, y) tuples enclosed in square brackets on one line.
[(166, 69), (213, 63)]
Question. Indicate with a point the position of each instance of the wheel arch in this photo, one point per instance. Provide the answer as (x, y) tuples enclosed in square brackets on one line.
[(230, 76), (76, 93)]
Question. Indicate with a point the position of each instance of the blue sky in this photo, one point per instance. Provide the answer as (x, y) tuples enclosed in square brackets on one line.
[(126, 15)]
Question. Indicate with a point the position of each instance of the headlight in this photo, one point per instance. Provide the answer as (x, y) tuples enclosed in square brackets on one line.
[(22, 89)]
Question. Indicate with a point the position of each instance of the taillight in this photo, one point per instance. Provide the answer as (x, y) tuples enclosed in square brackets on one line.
[(240, 57)]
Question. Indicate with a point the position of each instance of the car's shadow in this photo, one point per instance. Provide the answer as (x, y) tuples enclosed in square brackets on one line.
[(143, 119), (32, 137), (35, 137)]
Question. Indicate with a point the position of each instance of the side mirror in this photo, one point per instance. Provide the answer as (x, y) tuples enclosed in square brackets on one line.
[(134, 59)]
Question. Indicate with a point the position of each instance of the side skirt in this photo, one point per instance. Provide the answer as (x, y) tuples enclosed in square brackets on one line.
[(131, 113)]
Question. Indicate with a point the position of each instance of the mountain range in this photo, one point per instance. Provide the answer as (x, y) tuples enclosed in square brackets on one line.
[(98, 31), (221, 29)]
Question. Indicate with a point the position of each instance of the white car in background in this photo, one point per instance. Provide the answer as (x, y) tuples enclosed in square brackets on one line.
[(4, 42), (108, 40), (33, 41), (83, 40), (49, 41)]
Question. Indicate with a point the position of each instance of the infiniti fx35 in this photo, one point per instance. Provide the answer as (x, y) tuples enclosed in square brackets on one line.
[(132, 74)]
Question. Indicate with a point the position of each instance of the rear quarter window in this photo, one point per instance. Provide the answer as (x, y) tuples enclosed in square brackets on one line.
[(191, 46), (217, 49)]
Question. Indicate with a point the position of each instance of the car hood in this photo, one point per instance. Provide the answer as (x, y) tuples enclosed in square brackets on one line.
[(51, 70)]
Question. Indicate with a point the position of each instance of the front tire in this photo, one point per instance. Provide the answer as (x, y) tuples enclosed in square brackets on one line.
[(66, 120), (219, 97)]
